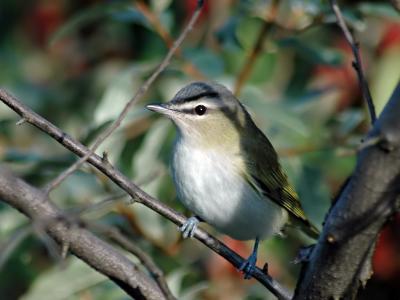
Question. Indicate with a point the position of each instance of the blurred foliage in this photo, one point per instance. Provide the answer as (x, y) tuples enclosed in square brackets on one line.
[(78, 62)]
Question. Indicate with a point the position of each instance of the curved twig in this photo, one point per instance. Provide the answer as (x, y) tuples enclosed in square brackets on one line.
[(357, 64)]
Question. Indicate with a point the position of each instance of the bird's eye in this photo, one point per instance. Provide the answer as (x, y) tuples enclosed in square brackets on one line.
[(200, 110)]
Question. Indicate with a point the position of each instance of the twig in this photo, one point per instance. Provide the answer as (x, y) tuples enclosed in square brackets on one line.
[(187, 66), (357, 64), (256, 50), (142, 90), (135, 192), (115, 235), (35, 204)]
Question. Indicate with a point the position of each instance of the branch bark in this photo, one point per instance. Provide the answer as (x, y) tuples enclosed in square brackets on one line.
[(135, 192), (340, 262), (36, 205)]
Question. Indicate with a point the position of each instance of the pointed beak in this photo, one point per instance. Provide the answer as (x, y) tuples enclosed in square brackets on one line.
[(162, 108), (159, 108)]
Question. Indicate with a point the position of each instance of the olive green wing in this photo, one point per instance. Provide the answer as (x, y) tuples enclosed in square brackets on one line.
[(266, 176)]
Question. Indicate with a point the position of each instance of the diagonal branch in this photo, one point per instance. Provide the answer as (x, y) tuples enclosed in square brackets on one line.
[(35, 204), (135, 192), (357, 64), (139, 94)]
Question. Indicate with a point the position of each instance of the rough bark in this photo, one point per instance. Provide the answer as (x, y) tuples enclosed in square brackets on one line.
[(340, 262)]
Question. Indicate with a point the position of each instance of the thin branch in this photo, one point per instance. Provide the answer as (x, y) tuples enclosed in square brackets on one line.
[(36, 205), (135, 192), (139, 94), (357, 64), (154, 20), (115, 235), (257, 48)]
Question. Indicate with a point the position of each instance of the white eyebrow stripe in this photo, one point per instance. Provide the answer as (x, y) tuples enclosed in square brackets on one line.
[(192, 104)]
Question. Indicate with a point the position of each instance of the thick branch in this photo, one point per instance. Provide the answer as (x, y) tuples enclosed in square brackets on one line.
[(35, 204), (338, 262), (134, 191)]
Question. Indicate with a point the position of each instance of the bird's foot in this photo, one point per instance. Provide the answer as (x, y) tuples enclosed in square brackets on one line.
[(248, 266), (304, 254), (189, 227)]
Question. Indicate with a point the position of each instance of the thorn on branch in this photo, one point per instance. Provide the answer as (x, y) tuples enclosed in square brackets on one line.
[(64, 250), (265, 269), (21, 121), (104, 158)]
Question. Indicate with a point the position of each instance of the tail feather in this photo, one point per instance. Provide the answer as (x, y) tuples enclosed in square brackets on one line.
[(310, 229)]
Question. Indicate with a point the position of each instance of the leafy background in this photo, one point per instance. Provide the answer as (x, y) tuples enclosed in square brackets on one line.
[(78, 62)]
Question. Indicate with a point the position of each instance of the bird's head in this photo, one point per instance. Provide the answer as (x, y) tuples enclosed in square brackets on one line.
[(207, 114)]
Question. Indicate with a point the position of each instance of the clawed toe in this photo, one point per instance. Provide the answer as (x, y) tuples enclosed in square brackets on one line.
[(248, 267), (189, 227)]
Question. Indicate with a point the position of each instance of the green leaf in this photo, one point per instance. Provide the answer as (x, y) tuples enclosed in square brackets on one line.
[(354, 19), (378, 10), (58, 284), (349, 120), (314, 53), (274, 113), (227, 36), (118, 11), (207, 61), (146, 163), (160, 5), (119, 91), (10, 220), (131, 15), (248, 31), (264, 67)]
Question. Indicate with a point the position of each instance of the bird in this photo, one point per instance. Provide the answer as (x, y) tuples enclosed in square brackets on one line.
[(226, 171)]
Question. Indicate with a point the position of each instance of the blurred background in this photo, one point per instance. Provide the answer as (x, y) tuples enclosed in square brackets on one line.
[(78, 62)]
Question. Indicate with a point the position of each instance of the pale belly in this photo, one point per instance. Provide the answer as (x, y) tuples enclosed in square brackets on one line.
[(210, 187)]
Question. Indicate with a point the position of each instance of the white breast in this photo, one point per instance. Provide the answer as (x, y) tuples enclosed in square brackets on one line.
[(209, 185)]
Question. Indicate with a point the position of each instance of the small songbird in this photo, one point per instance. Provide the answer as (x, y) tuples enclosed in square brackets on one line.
[(226, 171)]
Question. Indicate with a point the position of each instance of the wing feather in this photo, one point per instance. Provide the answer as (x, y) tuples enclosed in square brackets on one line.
[(267, 177)]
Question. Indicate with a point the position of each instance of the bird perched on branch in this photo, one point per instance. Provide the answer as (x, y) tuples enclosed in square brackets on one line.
[(225, 169)]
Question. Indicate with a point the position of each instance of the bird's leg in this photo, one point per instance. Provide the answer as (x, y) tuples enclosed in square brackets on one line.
[(249, 265), (189, 227)]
